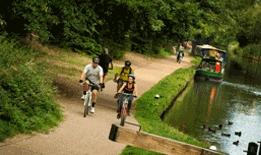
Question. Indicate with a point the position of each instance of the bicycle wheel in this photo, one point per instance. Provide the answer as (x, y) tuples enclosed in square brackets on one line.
[(86, 106), (123, 115)]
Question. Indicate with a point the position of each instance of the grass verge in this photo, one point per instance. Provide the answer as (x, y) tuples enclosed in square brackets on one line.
[(149, 109), (27, 103)]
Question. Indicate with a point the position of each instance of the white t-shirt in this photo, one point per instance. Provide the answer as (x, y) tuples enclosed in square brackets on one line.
[(93, 74)]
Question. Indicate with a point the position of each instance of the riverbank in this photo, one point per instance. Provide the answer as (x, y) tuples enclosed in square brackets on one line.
[(149, 109)]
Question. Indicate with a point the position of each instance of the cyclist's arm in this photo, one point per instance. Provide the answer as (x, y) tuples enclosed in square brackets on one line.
[(83, 75), (111, 63), (101, 75), (122, 87), (135, 93)]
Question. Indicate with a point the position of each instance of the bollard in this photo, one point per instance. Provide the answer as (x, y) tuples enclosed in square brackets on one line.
[(259, 148), (252, 148)]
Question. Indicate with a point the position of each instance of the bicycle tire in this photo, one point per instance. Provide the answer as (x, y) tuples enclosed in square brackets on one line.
[(85, 112), (123, 116), (86, 107)]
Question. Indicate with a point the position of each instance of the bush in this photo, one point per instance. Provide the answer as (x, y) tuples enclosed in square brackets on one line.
[(26, 97)]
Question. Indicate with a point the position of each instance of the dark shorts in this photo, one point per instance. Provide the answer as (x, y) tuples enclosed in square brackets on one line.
[(105, 70), (95, 88)]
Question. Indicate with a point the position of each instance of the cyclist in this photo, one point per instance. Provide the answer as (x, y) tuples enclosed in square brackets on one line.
[(130, 88), (123, 76), (105, 61), (94, 74), (180, 53)]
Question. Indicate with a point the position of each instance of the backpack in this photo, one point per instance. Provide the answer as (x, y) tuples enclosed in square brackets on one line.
[(124, 76)]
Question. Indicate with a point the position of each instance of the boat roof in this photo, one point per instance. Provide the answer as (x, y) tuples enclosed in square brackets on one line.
[(206, 46)]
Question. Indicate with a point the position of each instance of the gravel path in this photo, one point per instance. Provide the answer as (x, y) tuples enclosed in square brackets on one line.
[(89, 136)]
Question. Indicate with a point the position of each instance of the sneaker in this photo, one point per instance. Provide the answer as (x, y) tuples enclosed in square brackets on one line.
[(92, 110), (83, 97)]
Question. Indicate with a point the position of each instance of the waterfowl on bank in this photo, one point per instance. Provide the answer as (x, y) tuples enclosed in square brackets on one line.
[(236, 142), (230, 123), (238, 133), (203, 126), (211, 130), (225, 134), (220, 126)]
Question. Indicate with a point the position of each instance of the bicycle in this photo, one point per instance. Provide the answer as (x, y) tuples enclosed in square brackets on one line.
[(123, 99), (88, 97)]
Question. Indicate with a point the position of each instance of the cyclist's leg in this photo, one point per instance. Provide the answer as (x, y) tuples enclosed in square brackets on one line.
[(119, 102), (119, 84), (84, 89), (94, 96), (130, 99), (105, 72)]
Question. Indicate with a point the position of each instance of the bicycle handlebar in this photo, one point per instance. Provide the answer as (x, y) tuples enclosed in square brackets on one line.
[(91, 84), (127, 94)]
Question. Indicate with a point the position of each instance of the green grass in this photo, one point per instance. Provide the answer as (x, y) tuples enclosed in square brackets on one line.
[(162, 53), (149, 109), (137, 151), (111, 73), (65, 63), (26, 94)]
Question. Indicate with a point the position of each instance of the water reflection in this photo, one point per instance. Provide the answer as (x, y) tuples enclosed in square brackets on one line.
[(215, 104)]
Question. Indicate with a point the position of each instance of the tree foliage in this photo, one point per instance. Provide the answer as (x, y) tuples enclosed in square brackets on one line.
[(140, 25)]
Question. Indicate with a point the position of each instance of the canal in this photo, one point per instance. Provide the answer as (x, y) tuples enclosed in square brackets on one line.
[(213, 112)]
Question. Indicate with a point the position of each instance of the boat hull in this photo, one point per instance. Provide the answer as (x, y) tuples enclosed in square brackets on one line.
[(208, 76)]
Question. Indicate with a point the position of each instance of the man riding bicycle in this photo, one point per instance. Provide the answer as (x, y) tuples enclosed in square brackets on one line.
[(94, 74), (129, 88), (123, 76)]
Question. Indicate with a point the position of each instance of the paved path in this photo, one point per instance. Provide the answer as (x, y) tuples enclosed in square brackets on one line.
[(89, 136)]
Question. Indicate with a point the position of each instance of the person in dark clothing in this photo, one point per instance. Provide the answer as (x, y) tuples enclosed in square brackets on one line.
[(105, 62)]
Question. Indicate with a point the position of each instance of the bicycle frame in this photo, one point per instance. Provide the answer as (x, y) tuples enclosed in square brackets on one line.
[(124, 107), (87, 99)]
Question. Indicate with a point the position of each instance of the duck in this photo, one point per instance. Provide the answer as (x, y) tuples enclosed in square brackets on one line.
[(238, 133), (230, 123), (225, 134), (236, 142), (220, 126), (211, 130), (204, 126)]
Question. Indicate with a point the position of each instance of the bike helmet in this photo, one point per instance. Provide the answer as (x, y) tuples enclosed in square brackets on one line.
[(127, 63), (132, 75), (95, 60)]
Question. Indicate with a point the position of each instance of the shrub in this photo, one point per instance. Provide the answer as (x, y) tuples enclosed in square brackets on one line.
[(26, 97)]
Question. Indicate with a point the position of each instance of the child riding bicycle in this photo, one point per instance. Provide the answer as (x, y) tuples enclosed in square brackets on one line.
[(128, 88)]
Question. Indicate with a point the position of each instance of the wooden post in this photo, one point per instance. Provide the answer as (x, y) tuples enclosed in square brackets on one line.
[(252, 148), (156, 143)]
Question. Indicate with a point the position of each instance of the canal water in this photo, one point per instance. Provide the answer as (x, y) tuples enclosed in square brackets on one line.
[(211, 112)]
